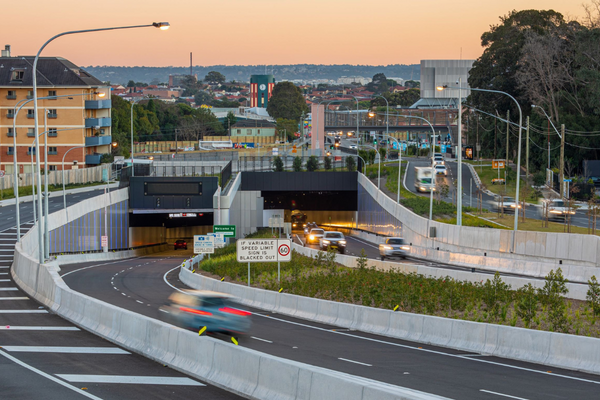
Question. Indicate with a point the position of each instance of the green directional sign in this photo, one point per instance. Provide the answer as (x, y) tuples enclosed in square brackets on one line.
[(227, 230)]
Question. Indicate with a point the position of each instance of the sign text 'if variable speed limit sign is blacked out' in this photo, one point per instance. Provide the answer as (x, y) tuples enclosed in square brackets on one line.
[(264, 250)]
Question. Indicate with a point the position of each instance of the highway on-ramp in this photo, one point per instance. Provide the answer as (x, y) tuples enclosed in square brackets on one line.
[(142, 285)]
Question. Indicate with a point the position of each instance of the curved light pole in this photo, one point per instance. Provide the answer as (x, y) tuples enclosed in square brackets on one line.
[(387, 114), (161, 25), (378, 159), (460, 89)]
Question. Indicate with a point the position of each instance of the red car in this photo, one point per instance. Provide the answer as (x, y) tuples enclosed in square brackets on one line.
[(180, 244)]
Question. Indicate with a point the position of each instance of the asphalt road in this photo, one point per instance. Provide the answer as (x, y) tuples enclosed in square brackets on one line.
[(143, 284), (42, 356)]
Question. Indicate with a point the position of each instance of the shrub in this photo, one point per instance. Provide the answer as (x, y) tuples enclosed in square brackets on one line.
[(539, 178), (277, 164), (350, 164), (327, 163), (527, 304), (312, 164), (593, 295), (495, 293), (552, 296), (297, 165)]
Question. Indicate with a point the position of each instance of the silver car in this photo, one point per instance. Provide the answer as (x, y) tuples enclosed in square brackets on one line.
[(394, 247), (314, 236), (333, 240)]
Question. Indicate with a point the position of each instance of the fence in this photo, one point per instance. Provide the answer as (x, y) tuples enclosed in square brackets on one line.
[(226, 174), (72, 176), (267, 163)]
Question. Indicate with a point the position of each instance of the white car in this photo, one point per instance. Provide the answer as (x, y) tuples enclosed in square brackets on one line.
[(353, 147), (441, 169), (438, 160), (508, 203), (557, 209)]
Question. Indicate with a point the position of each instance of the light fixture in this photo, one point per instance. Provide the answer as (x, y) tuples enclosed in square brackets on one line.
[(114, 144), (440, 88), (101, 94), (163, 26)]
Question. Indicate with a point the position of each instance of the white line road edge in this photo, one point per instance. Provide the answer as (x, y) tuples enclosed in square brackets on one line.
[(503, 395)]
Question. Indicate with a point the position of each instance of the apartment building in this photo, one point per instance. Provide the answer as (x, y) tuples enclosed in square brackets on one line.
[(74, 109)]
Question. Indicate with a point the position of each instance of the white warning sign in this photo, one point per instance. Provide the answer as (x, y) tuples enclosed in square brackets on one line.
[(264, 250)]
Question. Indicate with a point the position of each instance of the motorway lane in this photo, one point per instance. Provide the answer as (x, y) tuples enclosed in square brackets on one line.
[(143, 284), (39, 350)]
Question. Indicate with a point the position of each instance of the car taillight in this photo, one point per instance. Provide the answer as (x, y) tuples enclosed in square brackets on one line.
[(193, 311), (184, 243), (234, 311)]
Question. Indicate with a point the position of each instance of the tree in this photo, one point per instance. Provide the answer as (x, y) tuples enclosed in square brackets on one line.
[(286, 129), (202, 97), (287, 102), (312, 164), (379, 84), (230, 120), (131, 83), (327, 163), (350, 164), (277, 164), (190, 84), (527, 304), (551, 295), (214, 77), (297, 164)]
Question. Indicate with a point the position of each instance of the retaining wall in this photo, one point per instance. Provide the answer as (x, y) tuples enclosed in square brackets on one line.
[(547, 348)]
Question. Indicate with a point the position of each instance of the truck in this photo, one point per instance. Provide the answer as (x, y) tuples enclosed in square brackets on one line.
[(423, 182)]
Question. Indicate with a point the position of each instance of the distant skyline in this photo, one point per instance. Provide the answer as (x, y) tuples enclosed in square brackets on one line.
[(259, 32)]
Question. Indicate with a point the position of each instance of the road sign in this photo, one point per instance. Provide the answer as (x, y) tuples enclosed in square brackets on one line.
[(264, 250), (226, 230), (204, 244), (219, 239), (275, 151), (104, 241), (498, 164)]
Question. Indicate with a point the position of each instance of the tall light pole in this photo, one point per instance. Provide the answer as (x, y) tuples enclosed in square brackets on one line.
[(387, 115), (160, 25), (559, 135), (460, 88)]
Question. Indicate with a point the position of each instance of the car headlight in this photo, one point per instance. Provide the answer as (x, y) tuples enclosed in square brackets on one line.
[(311, 237), (405, 247), (388, 248), (326, 241), (513, 206), (422, 188), (303, 225), (342, 242), (294, 224), (555, 212)]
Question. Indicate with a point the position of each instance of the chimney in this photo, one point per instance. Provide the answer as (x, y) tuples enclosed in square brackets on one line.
[(6, 51)]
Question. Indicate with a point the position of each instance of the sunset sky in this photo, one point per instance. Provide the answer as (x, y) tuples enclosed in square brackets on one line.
[(250, 32)]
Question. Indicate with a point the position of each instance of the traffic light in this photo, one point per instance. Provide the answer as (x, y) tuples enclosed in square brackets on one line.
[(375, 141)]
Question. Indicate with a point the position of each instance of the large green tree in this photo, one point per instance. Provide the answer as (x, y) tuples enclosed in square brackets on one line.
[(287, 102), (214, 77), (203, 97)]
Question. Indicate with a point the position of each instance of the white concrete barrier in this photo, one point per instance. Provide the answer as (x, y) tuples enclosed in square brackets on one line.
[(547, 348)]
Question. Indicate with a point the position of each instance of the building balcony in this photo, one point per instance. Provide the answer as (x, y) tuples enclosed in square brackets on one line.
[(98, 140), (30, 116), (97, 122), (11, 96), (98, 104), (10, 115), (93, 159)]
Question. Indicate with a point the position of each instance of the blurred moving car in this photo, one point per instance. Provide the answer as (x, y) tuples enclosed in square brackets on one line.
[(195, 309), (314, 236), (507, 203), (298, 219), (353, 147), (394, 247), (556, 209), (333, 240), (180, 244), (440, 169)]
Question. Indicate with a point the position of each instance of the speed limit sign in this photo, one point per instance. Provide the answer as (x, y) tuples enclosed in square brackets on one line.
[(283, 250)]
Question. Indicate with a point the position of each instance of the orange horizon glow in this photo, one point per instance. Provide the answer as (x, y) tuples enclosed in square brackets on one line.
[(262, 32)]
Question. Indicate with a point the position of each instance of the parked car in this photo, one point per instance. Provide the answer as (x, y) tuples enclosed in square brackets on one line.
[(333, 240), (195, 309), (394, 247), (315, 235), (180, 244)]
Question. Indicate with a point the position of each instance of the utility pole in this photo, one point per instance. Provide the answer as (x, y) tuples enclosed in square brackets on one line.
[(527, 149), (507, 134), (477, 139), (176, 132), (562, 162)]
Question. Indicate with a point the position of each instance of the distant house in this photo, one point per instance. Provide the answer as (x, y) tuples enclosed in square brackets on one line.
[(253, 131)]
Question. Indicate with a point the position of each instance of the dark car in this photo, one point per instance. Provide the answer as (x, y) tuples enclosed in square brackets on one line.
[(309, 226), (333, 240), (180, 244)]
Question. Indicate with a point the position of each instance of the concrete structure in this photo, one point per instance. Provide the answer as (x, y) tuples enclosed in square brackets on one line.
[(81, 120), (442, 72), (261, 88)]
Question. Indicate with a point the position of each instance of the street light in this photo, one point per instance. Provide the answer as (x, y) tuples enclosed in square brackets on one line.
[(387, 115), (556, 130), (460, 88), (160, 25), (379, 162)]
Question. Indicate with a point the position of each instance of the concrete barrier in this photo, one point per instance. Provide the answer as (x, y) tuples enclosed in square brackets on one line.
[(547, 348)]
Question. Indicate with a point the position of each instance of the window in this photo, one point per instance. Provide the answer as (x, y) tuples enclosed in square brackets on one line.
[(30, 94), (239, 131), (12, 95), (258, 131), (52, 113), (10, 114), (10, 151), (51, 167), (52, 132), (10, 132), (52, 150), (52, 93), (30, 150), (17, 75), (30, 132), (248, 131), (30, 114)]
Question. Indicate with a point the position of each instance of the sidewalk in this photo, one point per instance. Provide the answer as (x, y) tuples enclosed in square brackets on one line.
[(59, 193)]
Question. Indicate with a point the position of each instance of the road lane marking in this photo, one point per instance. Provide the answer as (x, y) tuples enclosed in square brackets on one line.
[(141, 302), (6, 289), (47, 376), (59, 349), (503, 395), (262, 340), (99, 265), (4, 267), (355, 362), (165, 311), (362, 241), (37, 328), (14, 298), (4, 280), (23, 312), (138, 380)]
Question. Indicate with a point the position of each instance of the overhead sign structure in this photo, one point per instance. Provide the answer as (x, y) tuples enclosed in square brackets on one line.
[(204, 244), (264, 250), (226, 230), (219, 239)]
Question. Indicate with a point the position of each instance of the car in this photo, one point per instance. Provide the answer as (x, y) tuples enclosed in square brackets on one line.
[(506, 202), (308, 227), (353, 147), (195, 309), (556, 208), (180, 244), (394, 247), (333, 240), (438, 160), (441, 169), (315, 235)]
